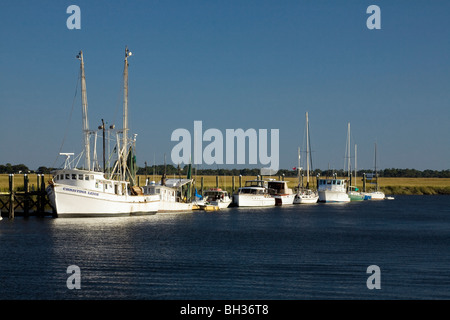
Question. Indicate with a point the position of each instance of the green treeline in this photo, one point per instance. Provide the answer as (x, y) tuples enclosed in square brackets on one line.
[(171, 170)]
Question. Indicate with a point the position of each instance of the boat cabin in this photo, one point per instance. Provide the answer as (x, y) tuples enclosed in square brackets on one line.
[(278, 187), (215, 194), (172, 191), (256, 183), (90, 180), (332, 184)]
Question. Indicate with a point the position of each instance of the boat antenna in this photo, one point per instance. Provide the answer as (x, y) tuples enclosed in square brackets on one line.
[(163, 177)]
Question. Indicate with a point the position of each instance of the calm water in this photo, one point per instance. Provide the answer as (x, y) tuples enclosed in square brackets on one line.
[(297, 252)]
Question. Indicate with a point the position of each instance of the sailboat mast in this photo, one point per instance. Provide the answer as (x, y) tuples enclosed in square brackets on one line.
[(348, 150), (376, 174), (307, 150), (84, 105), (298, 167), (356, 147)]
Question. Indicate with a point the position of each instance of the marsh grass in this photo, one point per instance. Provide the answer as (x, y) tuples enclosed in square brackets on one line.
[(388, 185)]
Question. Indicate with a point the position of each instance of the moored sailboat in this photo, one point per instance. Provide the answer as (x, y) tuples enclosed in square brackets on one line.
[(306, 195), (353, 191), (377, 194)]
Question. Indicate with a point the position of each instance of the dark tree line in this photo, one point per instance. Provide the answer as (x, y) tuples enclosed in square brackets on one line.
[(171, 170)]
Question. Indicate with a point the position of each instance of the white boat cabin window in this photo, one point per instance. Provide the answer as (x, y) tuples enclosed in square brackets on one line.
[(80, 177), (86, 177), (67, 176)]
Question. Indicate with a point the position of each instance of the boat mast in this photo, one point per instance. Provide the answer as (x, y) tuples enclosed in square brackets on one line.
[(307, 151), (356, 147), (299, 169), (348, 152), (376, 174), (125, 113), (84, 105)]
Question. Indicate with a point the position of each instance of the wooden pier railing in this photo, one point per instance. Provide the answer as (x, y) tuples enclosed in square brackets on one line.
[(27, 202)]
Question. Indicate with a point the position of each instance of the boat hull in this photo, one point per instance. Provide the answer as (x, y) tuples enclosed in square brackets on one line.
[(75, 201), (221, 204), (244, 200), (306, 199), (378, 195), (333, 196), (284, 199), (169, 206), (356, 196)]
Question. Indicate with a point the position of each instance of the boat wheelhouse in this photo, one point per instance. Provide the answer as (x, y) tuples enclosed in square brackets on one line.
[(333, 190)]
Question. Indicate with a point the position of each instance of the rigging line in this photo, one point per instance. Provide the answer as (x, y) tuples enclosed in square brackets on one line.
[(119, 96), (310, 149), (70, 118)]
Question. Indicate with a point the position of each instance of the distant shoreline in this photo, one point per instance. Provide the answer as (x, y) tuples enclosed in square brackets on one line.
[(390, 186)]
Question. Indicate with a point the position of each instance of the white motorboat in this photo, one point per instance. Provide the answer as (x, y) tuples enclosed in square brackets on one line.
[(217, 197), (281, 192), (333, 190), (173, 194), (253, 194), (89, 191)]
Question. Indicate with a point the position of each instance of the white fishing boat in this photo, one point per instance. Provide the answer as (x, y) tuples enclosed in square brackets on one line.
[(333, 190), (253, 194), (173, 194), (305, 195), (281, 192), (89, 191), (217, 197)]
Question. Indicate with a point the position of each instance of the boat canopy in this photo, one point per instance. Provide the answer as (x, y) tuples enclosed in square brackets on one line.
[(177, 182)]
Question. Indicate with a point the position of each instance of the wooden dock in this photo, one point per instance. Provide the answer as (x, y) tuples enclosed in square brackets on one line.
[(27, 202)]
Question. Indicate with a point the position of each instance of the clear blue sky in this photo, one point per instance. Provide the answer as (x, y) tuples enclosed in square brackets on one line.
[(231, 64)]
